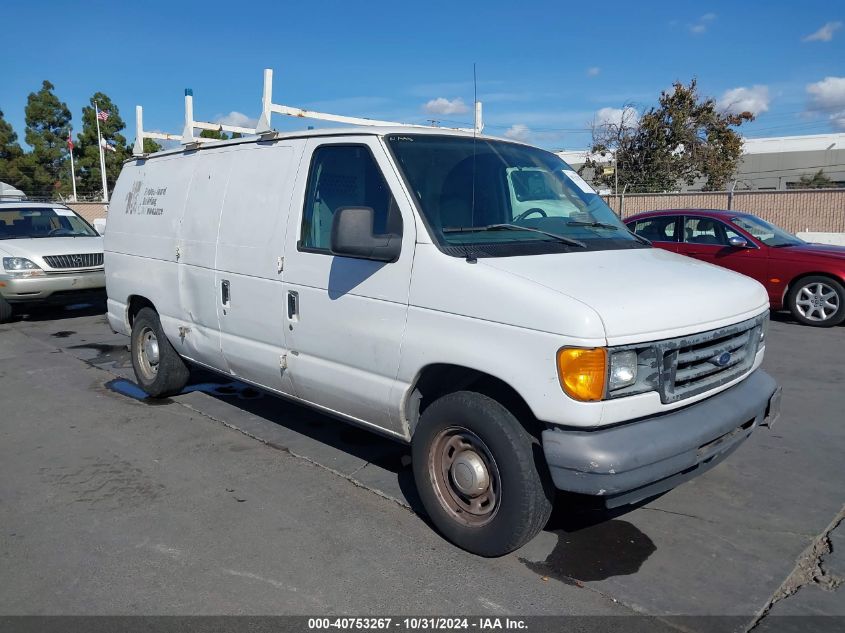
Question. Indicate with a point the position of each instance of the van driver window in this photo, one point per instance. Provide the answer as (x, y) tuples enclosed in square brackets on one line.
[(345, 176)]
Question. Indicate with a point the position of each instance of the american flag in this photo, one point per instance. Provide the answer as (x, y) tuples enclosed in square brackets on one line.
[(103, 115)]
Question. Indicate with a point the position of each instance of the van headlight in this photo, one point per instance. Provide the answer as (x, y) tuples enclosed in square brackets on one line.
[(21, 267), (623, 370), (592, 374)]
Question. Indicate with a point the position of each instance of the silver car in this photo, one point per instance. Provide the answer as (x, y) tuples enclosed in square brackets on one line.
[(49, 254)]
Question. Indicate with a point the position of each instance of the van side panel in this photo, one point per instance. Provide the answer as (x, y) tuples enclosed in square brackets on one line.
[(140, 245), (198, 296), (250, 252)]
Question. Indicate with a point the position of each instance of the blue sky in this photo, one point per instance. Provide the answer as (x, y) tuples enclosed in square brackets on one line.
[(545, 69)]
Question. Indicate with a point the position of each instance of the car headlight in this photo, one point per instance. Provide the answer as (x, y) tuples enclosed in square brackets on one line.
[(22, 267), (623, 370)]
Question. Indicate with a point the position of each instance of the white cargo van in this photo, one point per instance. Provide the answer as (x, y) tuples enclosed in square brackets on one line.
[(518, 336)]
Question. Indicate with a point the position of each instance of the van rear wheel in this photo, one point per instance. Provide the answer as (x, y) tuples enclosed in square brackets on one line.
[(480, 474), (159, 370)]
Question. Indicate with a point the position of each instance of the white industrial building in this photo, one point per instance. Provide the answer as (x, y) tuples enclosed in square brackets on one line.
[(774, 163)]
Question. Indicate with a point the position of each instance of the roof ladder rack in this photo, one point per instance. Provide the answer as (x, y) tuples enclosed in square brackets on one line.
[(187, 137), (263, 128), (268, 107)]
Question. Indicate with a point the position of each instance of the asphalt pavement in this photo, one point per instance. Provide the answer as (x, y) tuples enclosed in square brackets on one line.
[(225, 500)]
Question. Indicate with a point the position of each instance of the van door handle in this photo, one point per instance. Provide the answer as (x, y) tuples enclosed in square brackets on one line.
[(225, 295), (293, 304)]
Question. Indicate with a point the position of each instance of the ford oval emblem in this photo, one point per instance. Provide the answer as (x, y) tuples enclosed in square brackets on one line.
[(722, 359)]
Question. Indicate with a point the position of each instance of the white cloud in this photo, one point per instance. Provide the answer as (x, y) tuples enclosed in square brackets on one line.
[(617, 116), (592, 71), (238, 119), (518, 132), (829, 95), (702, 24), (737, 100), (441, 105), (824, 34)]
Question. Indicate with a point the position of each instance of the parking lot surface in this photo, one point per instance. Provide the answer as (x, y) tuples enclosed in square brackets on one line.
[(224, 500)]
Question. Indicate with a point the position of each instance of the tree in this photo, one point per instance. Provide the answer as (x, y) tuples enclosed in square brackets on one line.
[(151, 146), (11, 155), (681, 140), (45, 169), (87, 152), (819, 180), (217, 134)]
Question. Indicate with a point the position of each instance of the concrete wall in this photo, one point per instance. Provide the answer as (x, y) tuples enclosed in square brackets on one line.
[(837, 239), (806, 210), (89, 210)]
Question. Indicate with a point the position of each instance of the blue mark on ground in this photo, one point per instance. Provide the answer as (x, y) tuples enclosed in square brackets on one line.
[(127, 388), (221, 390)]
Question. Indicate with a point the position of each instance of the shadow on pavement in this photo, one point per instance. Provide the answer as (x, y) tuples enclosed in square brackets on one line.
[(57, 312), (592, 543)]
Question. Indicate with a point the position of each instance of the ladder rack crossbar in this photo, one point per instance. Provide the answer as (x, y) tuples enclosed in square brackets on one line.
[(263, 126)]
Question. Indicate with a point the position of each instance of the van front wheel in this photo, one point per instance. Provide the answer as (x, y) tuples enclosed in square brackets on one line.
[(480, 474), (160, 371)]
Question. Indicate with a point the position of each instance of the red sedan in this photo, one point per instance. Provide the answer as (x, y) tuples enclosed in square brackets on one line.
[(807, 279)]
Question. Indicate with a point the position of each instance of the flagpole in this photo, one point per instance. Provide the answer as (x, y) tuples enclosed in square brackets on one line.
[(102, 158), (72, 172)]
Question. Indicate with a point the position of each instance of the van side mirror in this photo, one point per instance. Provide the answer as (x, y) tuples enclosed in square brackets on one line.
[(738, 242), (352, 236)]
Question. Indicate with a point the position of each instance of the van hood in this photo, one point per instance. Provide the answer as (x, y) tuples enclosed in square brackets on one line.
[(643, 294), (34, 249)]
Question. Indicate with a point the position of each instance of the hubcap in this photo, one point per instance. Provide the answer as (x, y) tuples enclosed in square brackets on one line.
[(469, 474), (465, 476), (148, 353), (817, 301)]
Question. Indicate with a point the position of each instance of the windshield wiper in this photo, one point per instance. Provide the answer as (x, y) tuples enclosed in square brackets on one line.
[(602, 225), (593, 225), (505, 227)]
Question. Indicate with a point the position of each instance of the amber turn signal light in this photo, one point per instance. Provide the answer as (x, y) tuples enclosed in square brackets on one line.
[(582, 372)]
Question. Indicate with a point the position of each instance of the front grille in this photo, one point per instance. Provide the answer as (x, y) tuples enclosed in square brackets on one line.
[(694, 364), (84, 260)]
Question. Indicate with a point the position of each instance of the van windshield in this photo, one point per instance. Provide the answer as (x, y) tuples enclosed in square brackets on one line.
[(28, 223), (494, 198)]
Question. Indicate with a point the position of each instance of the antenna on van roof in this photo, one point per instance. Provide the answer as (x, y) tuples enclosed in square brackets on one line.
[(263, 127)]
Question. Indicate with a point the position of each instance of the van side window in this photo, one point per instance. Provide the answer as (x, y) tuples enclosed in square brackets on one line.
[(345, 176)]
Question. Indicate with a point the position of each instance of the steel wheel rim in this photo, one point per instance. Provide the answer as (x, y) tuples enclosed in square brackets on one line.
[(148, 353), (817, 301), (465, 476)]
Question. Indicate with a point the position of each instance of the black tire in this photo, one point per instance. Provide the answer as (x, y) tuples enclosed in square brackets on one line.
[(803, 292), (523, 501), (5, 310), (169, 374)]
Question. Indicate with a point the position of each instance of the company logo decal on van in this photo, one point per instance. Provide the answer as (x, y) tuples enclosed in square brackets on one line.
[(148, 204)]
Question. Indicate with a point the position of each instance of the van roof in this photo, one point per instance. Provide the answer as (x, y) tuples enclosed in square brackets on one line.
[(352, 130)]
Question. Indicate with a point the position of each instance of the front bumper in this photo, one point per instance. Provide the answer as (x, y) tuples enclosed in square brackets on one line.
[(53, 287), (631, 462)]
